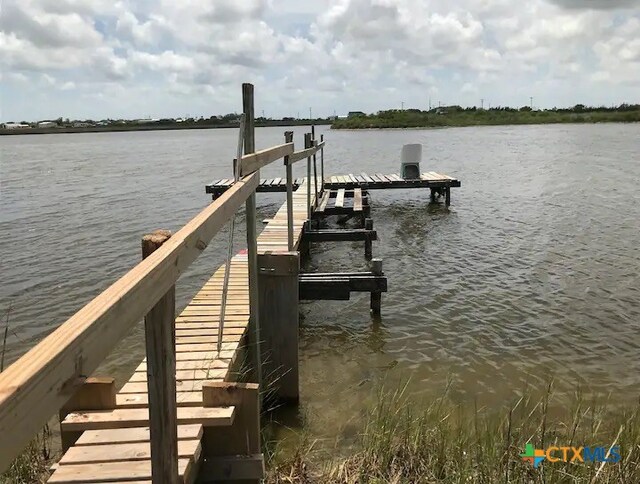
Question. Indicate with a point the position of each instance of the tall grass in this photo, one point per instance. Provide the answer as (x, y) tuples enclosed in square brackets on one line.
[(408, 441)]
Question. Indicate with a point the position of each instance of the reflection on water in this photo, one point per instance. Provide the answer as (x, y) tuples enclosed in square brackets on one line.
[(531, 274)]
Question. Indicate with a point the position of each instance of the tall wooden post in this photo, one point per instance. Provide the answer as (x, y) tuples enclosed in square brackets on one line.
[(279, 323), (288, 138), (315, 166), (322, 165), (252, 237), (159, 331), (447, 196), (307, 144)]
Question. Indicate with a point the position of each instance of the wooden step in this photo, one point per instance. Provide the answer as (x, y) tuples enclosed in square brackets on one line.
[(94, 454), (122, 471), (132, 435), (139, 417)]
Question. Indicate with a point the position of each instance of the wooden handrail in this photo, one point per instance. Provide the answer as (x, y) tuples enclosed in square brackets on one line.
[(254, 161), (33, 388), (306, 153)]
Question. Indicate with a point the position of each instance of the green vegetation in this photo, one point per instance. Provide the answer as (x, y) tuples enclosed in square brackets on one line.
[(406, 441), (32, 465), (458, 116)]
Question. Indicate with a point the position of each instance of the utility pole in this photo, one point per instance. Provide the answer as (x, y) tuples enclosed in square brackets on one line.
[(482, 103), (263, 113), (310, 117), (531, 99), (429, 103), (402, 104)]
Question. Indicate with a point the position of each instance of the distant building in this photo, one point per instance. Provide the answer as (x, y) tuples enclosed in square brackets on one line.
[(15, 126), (47, 124), (355, 114)]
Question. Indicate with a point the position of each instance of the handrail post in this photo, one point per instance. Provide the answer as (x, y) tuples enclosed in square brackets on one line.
[(315, 166), (159, 329), (322, 164), (288, 138), (252, 238), (307, 144)]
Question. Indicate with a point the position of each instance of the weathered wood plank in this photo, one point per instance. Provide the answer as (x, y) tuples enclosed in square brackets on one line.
[(340, 198), (357, 200)]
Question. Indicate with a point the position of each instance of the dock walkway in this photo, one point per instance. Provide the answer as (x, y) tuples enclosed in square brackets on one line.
[(114, 445)]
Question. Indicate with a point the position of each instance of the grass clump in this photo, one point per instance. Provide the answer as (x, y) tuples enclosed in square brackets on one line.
[(32, 465), (406, 441)]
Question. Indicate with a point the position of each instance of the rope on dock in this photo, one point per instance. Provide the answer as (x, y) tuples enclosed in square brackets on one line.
[(227, 265)]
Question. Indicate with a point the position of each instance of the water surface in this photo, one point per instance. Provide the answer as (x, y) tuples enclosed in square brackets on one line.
[(531, 274)]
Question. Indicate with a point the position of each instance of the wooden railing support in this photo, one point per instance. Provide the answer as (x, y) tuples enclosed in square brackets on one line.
[(252, 238), (159, 332), (94, 394), (288, 138), (322, 164), (308, 144), (279, 289), (315, 167)]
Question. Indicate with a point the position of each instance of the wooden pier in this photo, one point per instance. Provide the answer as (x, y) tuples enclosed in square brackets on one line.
[(191, 410)]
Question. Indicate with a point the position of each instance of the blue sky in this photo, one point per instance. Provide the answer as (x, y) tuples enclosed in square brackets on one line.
[(167, 58)]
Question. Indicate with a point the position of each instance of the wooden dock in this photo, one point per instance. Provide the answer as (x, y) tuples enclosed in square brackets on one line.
[(376, 181), (191, 409), (113, 443)]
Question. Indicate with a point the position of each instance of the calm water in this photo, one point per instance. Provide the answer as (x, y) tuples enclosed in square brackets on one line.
[(532, 274)]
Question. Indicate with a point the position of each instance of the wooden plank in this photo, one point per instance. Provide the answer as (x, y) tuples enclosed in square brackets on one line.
[(276, 181), (93, 454), (302, 154), (45, 377), (323, 202), (367, 178), (254, 161), (139, 417), (141, 400), (396, 177), (357, 200), (340, 198), (113, 472), (136, 434), (184, 375)]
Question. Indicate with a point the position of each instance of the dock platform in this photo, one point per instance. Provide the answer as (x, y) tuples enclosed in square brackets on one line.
[(376, 181)]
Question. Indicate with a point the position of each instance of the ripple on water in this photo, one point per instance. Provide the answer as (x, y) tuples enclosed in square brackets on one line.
[(531, 275)]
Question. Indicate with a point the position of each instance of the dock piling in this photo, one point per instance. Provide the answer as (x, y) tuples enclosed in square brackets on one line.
[(376, 297), (278, 298), (252, 237), (368, 243)]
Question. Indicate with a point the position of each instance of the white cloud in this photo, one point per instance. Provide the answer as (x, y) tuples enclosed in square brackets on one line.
[(157, 55)]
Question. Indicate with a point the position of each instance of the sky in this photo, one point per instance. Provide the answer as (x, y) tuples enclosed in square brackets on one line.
[(171, 58)]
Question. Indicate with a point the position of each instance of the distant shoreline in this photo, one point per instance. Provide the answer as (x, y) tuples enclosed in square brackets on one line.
[(145, 127), (423, 120)]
